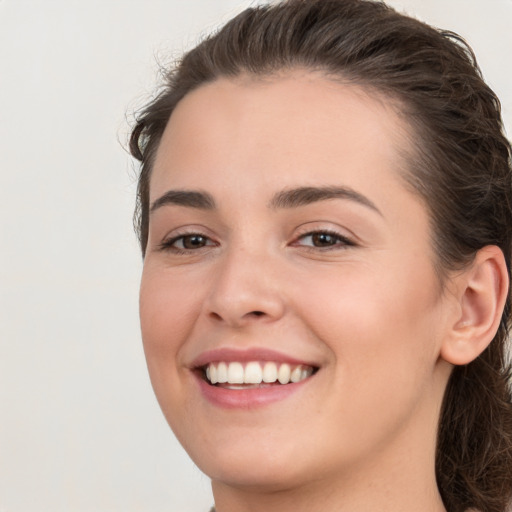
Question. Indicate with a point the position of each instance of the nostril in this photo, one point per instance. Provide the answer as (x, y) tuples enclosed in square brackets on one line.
[(217, 316)]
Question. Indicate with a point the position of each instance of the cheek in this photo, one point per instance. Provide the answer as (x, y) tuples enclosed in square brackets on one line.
[(167, 315), (379, 325), (383, 357)]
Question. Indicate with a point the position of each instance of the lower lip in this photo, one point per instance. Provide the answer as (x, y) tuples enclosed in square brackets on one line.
[(247, 398)]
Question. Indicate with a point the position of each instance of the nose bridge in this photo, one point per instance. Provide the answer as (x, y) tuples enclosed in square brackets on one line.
[(246, 285)]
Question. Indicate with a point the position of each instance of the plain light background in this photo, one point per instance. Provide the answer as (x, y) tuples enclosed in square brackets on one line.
[(80, 429)]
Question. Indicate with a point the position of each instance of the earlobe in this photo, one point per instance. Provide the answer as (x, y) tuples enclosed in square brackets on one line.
[(482, 292)]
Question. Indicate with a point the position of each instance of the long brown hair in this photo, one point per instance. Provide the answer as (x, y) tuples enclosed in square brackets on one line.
[(461, 167)]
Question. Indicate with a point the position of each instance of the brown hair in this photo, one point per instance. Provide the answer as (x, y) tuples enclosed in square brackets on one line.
[(461, 167)]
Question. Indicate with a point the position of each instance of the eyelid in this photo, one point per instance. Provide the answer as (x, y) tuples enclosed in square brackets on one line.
[(167, 243), (311, 228), (343, 241)]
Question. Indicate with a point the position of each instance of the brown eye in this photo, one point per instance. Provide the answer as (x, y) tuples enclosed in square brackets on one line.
[(191, 242), (186, 243), (323, 239)]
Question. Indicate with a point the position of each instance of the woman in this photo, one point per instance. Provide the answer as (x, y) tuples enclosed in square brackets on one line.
[(324, 208)]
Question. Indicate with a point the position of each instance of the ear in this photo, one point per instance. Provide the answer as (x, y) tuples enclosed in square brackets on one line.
[(481, 292)]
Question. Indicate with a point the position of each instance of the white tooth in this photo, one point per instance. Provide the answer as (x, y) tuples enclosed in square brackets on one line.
[(213, 374), (270, 372), (284, 373), (296, 374), (208, 372), (222, 373), (235, 373), (253, 373)]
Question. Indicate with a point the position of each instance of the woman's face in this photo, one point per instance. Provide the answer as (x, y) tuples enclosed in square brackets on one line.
[(283, 245)]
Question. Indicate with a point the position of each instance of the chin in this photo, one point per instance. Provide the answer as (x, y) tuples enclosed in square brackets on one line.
[(257, 465), (259, 476)]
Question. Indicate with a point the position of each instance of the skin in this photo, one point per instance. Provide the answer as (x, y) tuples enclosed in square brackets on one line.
[(370, 312)]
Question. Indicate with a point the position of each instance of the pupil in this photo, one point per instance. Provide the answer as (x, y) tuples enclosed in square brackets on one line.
[(322, 239), (193, 241)]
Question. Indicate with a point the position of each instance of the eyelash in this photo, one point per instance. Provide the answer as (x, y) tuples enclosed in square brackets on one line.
[(341, 242), (168, 245)]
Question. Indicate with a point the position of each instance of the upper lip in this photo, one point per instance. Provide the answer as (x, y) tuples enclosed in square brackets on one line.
[(245, 356)]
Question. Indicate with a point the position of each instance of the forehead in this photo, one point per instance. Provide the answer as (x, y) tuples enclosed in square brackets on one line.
[(298, 126)]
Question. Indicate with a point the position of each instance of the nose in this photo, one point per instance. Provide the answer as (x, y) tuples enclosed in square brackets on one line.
[(246, 288)]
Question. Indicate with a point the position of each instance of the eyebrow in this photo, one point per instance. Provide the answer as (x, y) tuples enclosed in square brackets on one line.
[(189, 198), (290, 198), (296, 197)]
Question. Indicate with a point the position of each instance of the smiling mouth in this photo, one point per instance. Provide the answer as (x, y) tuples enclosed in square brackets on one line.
[(254, 374)]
